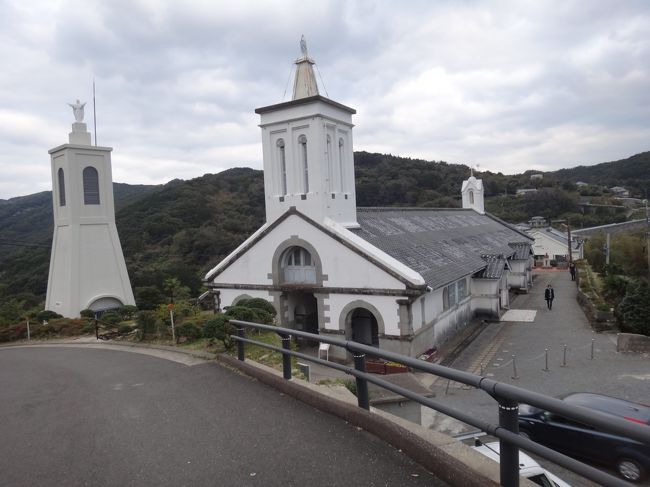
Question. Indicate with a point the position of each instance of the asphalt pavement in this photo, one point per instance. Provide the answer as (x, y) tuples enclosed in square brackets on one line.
[(82, 416)]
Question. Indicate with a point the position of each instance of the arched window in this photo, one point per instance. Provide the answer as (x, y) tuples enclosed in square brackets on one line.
[(302, 142), (330, 169), (61, 177), (298, 266), (283, 167), (342, 164), (91, 186), (471, 197)]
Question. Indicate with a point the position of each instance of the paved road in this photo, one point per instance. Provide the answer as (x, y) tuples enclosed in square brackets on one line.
[(617, 374), (74, 416)]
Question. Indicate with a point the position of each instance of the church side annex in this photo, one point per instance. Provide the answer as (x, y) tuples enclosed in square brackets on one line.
[(404, 280)]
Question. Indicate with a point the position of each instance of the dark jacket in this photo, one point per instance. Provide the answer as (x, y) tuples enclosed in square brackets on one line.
[(549, 293)]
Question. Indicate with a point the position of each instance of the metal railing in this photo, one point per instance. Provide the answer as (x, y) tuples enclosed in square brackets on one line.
[(508, 398)]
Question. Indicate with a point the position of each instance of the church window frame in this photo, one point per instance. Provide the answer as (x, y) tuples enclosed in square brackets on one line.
[(471, 197), (298, 266), (342, 164), (91, 186), (330, 167), (282, 160), (302, 144), (462, 289), (61, 181)]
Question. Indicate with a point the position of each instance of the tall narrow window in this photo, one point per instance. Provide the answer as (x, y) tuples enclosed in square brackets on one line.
[(471, 197), (91, 186), (330, 169), (61, 177), (342, 165), (302, 141), (283, 167)]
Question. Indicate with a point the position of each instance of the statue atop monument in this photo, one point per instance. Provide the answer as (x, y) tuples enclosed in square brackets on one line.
[(78, 110), (303, 46)]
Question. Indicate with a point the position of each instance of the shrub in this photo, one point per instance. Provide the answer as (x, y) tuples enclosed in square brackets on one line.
[(87, 313), (219, 328), (242, 313), (111, 317), (259, 304), (124, 329), (189, 330), (634, 309), (127, 312), (146, 321), (47, 315)]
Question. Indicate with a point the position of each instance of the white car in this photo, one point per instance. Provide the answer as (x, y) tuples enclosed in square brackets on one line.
[(528, 467)]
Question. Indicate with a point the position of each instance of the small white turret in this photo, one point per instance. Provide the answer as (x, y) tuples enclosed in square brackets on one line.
[(472, 192)]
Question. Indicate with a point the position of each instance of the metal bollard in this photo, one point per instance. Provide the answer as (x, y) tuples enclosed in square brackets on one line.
[(546, 360), (286, 358), (240, 345), (564, 359), (482, 369), (514, 367), (362, 385), (592, 348), (509, 453)]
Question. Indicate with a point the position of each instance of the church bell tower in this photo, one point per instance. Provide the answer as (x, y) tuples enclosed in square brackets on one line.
[(307, 150), (87, 268)]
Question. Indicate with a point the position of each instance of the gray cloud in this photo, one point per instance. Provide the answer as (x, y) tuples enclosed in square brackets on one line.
[(509, 85)]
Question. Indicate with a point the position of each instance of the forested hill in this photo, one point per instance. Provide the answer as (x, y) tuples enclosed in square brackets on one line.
[(632, 173), (184, 228)]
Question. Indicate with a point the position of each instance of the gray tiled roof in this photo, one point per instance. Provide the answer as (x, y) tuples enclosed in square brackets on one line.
[(442, 245), (522, 250), (495, 267)]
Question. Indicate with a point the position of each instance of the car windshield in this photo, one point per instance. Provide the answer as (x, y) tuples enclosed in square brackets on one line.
[(543, 480)]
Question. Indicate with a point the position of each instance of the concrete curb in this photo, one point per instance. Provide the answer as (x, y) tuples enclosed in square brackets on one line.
[(448, 459)]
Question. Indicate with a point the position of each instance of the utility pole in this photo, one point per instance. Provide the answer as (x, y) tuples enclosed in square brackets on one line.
[(568, 228)]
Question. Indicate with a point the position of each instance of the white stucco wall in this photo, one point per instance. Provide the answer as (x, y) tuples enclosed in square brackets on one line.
[(342, 266)]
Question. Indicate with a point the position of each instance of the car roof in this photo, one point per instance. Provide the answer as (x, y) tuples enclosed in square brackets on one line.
[(527, 466), (639, 413)]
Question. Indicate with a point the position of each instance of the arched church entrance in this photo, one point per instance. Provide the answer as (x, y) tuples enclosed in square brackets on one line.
[(303, 314), (363, 327)]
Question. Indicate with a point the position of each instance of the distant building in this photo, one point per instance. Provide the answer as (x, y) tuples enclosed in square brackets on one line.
[(404, 280), (522, 192), (538, 177), (537, 221), (581, 184), (620, 192), (552, 245)]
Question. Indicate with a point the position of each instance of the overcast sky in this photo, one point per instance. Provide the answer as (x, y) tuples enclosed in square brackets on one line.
[(506, 85)]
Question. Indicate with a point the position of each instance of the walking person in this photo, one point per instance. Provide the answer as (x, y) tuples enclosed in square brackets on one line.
[(572, 270), (549, 295)]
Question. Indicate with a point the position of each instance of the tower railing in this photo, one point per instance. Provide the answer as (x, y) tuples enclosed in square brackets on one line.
[(506, 396)]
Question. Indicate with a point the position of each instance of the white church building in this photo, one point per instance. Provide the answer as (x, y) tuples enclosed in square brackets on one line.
[(404, 280)]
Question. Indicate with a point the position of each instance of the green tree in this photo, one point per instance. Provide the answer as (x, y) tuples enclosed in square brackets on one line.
[(634, 309)]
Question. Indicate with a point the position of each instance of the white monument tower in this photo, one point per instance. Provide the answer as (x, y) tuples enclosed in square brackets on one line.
[(307, 150), (87, 268)]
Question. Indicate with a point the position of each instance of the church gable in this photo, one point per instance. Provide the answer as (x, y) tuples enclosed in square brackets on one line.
[(296, 251)]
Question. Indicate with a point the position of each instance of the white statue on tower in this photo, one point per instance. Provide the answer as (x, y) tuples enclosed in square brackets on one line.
[(78, 110)]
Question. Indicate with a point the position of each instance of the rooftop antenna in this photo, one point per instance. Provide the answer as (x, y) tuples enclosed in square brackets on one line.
[(94, 113)]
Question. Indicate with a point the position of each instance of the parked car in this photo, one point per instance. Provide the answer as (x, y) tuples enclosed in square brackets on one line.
[(630, 458), (528, 467)]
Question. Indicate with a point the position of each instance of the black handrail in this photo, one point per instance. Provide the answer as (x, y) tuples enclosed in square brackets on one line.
[(507, 396)]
